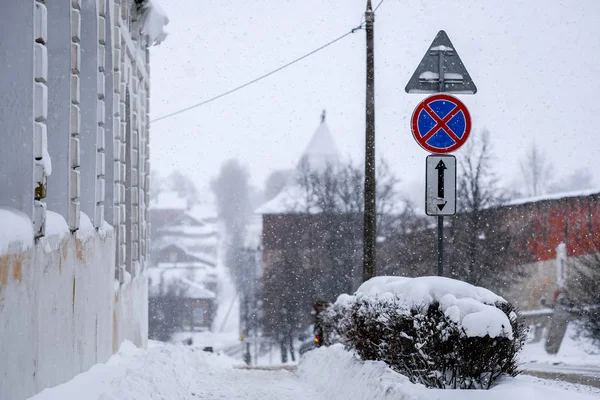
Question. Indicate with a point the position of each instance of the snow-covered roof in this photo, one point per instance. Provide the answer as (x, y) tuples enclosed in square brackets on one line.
[(188, 280), (169, 201), (291, 197), (320, 153), (206, 210), (187, 230), (554, 196), (197, 291), (321, 150), (470, 306)]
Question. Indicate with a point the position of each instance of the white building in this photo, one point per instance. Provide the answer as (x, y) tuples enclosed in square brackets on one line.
[(74, 93)]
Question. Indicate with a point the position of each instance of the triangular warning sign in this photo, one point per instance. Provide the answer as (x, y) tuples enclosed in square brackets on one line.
[(441, 61)]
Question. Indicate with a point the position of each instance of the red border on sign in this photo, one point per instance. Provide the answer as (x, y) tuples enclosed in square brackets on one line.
[(424, 105)]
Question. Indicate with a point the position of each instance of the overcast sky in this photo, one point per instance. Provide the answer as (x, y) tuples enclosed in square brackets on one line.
[(536, 65)]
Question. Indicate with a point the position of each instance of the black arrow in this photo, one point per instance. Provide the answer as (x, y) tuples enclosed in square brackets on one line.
[(441, 167), (441, 206)]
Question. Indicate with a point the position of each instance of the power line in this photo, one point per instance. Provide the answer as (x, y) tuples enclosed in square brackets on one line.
[(378, 5), (260, 77)]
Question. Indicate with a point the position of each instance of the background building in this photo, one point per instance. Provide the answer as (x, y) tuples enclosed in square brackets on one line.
[(183, 278)]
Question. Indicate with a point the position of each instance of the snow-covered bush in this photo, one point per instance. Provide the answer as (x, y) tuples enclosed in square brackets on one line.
[(437, 331)]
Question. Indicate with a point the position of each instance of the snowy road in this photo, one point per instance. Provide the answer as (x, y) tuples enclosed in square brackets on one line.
[(586, 375), (177, 373)]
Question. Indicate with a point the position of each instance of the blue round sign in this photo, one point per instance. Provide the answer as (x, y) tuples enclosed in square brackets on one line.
[(441, 123)]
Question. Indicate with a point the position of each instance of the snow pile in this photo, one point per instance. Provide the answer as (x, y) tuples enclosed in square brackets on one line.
[(154, 19), (56, 225), (176, 372), (468, 306), (574, 351), (15, 229), (338, 374), (86, 228)]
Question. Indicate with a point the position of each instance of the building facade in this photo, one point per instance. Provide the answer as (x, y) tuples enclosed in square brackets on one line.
[(74, 172)]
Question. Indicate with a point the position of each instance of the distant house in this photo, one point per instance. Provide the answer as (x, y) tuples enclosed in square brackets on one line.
[(547, 223), (177, 302), (182, 278), (306, 251)]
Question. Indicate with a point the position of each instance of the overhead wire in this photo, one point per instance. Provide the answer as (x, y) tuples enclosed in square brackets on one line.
[(260, 77)]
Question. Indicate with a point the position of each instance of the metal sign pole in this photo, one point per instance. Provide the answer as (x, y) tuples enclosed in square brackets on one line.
[(440, 239), (440, 245), (439, 137)]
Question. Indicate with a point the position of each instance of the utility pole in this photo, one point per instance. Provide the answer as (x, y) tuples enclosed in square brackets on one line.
[(370, 215)]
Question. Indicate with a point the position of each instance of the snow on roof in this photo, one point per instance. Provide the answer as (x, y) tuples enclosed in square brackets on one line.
[(204, 257), (321, 150), (470, 306), (198, 291), (204, 211), (289, 199), (16, 229), (187, 279), (320, 153), (201, 257), (153, 21), (169, 201), (553, 196), (187, 230)]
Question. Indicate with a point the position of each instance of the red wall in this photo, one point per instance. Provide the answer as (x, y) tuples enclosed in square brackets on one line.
[(574, 221)]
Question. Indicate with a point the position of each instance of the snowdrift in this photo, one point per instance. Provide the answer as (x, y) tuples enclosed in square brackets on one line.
[(338, 374)]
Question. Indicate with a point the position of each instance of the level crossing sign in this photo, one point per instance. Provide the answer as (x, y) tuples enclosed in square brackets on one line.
[(441, 124)]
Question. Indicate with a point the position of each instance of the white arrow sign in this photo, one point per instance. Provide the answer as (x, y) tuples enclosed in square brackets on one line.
[(440, 185)]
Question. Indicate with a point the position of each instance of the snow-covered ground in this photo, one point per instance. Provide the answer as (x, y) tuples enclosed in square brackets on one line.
[(177, 372), (337, 374), (573, 351)]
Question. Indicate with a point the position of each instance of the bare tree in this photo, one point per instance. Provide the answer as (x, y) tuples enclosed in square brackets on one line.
[(536, 171), (320, 255), (480, 245), (478, 184)]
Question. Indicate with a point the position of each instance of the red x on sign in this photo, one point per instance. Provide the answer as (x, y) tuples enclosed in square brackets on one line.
[(441, 123)]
